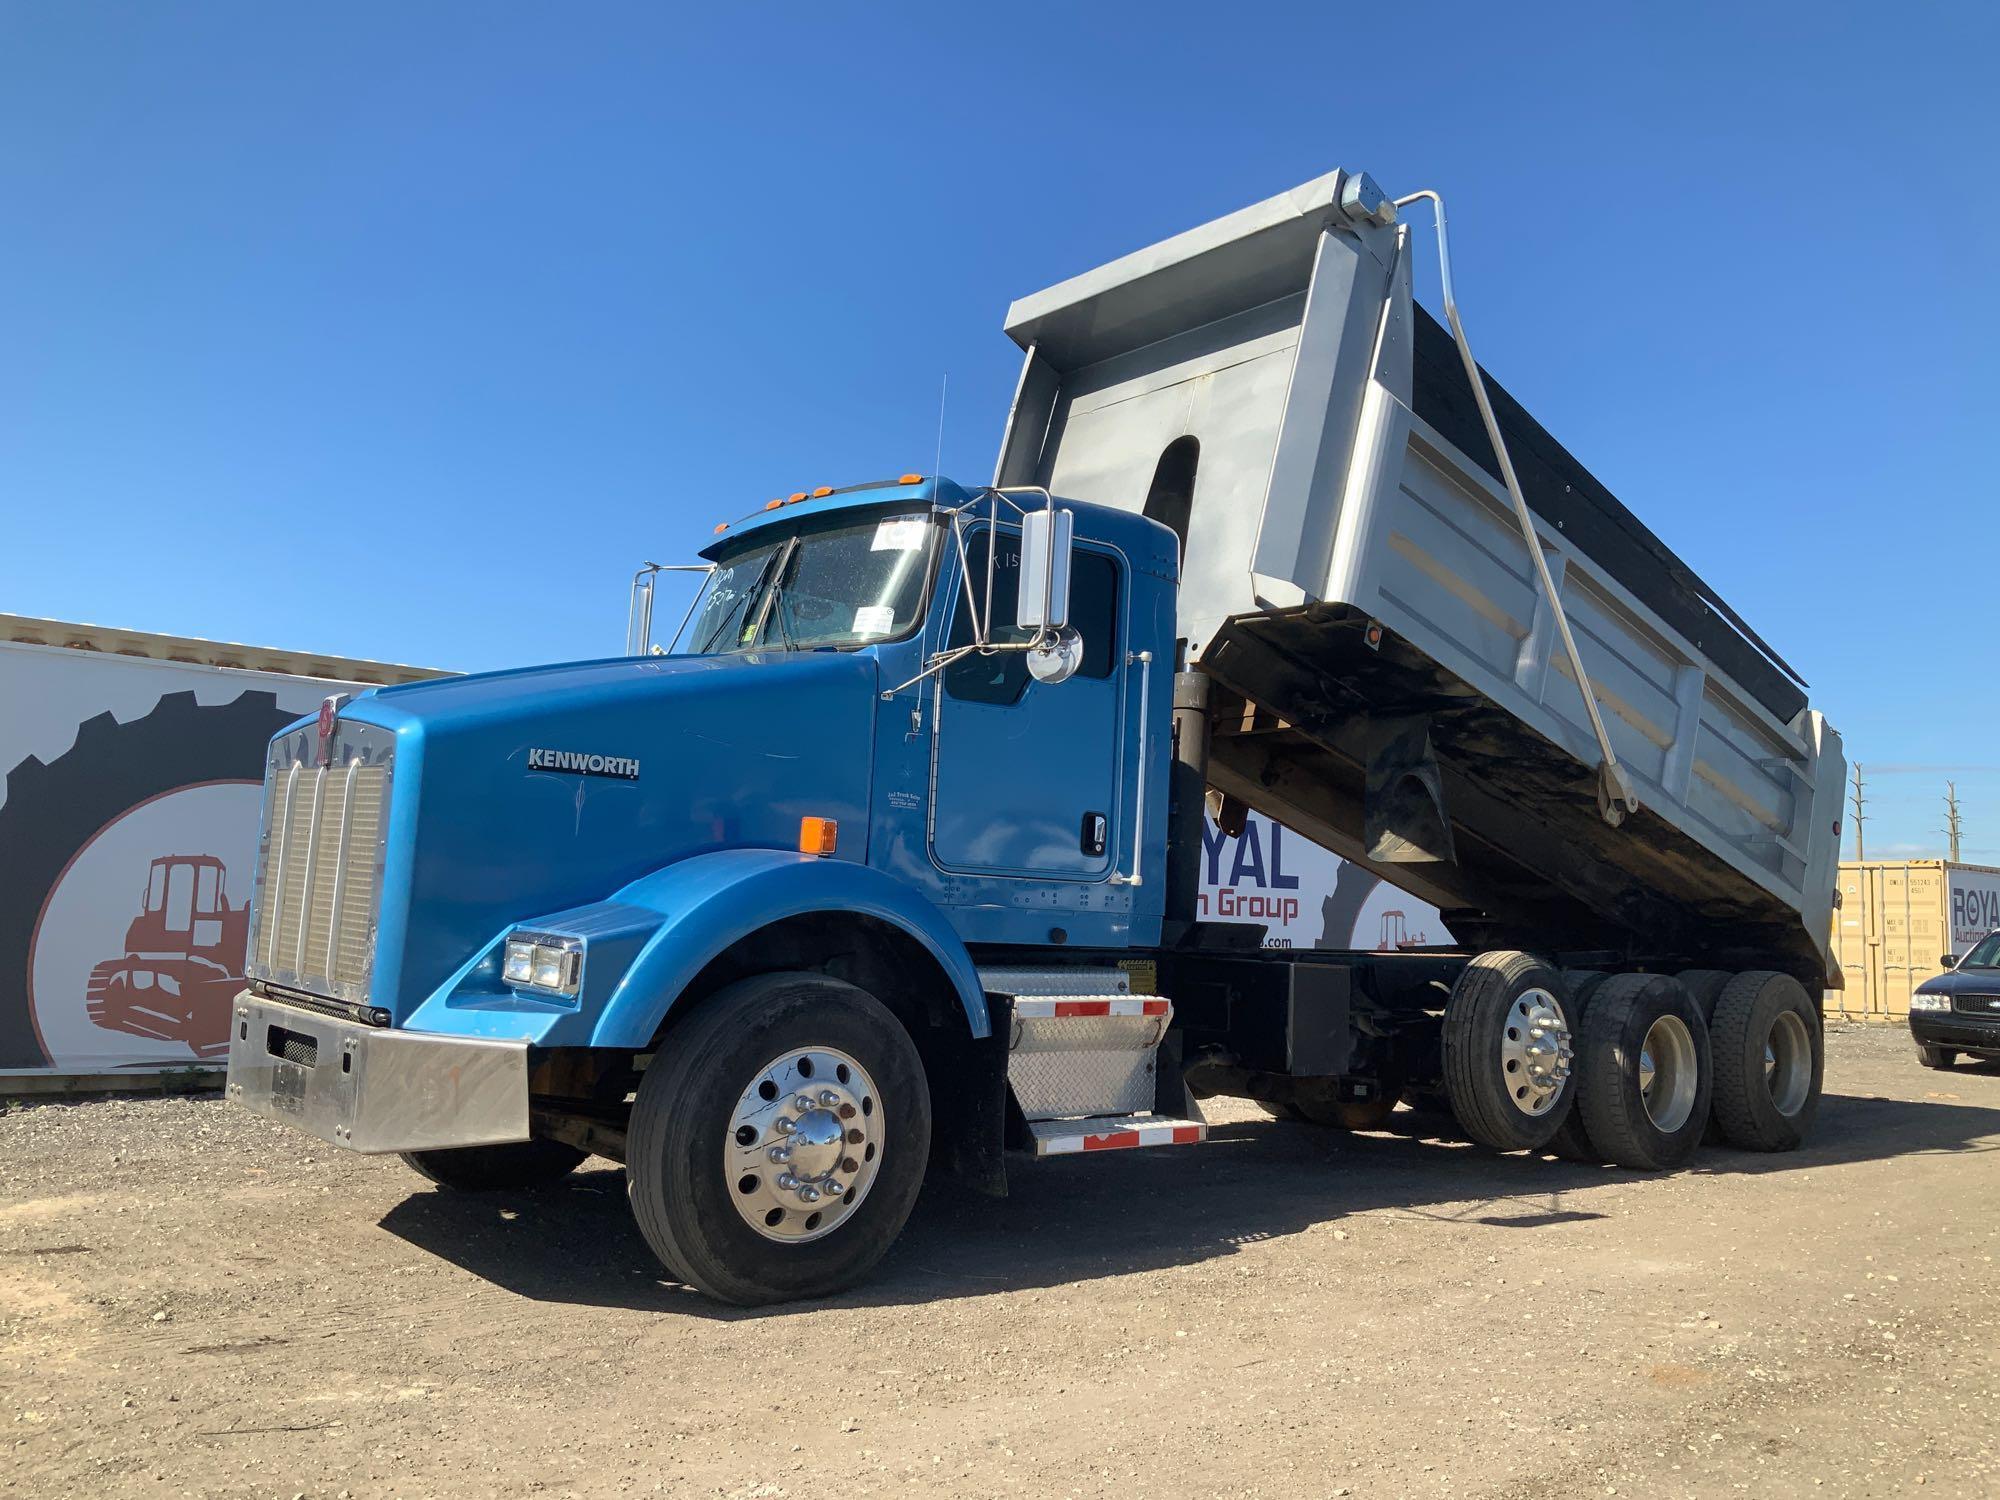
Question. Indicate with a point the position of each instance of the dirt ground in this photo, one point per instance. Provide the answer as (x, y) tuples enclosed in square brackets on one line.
[(196, 1302)]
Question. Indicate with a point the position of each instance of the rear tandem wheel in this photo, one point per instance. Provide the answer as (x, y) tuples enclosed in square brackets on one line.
[(1507, 1047), (1644, 1071)]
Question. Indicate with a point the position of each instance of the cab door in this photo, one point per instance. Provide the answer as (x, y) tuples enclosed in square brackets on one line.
[(1026, 774)]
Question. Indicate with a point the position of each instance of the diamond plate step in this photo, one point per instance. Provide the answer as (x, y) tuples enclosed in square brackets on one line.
[(1114, 1133), (1073, 1054)]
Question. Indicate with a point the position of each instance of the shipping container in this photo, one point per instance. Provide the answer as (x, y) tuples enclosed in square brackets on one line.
[(1894, 922)]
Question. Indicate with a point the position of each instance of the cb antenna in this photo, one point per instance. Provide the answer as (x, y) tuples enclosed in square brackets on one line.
[(937, 465)]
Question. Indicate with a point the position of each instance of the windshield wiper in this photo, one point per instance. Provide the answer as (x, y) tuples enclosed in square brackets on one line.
[(783, 558), (709, 641)]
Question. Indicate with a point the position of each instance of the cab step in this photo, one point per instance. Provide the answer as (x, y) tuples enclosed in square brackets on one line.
[(1083, 1062), (1114, 1133)]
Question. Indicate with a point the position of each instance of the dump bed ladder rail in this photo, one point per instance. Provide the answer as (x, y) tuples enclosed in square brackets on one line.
[(1616, 800)]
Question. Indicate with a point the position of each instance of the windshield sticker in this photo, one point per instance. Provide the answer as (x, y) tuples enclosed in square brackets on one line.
[(901, 534), (875, 619)]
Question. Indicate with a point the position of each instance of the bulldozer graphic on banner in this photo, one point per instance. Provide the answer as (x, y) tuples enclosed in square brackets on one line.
[(183, 959)]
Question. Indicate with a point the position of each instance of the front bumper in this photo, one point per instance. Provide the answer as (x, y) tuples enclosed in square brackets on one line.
[(373, 1088), (1955, 1029)]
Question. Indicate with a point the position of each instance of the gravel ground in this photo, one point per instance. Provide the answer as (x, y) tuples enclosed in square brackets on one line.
[(195, 1302)]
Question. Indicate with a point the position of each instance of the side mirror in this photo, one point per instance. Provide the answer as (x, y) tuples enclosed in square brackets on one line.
[(1043, 605), (1948, 961), (1045, 559)]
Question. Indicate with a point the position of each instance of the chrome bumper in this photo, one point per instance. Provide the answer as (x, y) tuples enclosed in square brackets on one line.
[(373, 1088)]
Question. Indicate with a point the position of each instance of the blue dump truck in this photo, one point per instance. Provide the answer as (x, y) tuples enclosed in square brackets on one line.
[(886, 864)]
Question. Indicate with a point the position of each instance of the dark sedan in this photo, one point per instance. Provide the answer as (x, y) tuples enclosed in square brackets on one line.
[(1959, 1011)]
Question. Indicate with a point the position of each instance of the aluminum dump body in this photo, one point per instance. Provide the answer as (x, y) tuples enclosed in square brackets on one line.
[(1386, 670)]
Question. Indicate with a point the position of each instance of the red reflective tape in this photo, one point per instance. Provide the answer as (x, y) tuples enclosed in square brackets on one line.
[(1111, 1140), (1186, 1135), (1153, 1008), (1066, 1009)]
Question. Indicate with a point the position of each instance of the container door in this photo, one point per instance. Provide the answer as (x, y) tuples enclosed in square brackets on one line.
[(1028, 774)]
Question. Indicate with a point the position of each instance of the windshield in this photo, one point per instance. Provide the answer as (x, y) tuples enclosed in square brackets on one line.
[(841, 583), (1985, 953)]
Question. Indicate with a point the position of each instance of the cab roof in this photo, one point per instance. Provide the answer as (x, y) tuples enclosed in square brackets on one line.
[(1151, 545), (931, 491)]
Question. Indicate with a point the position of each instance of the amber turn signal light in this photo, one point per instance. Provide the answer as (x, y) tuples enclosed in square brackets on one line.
[(818, 835)]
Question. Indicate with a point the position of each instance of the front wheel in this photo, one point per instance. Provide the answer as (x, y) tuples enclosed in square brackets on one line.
[(1935, 1057), (779, 1139)]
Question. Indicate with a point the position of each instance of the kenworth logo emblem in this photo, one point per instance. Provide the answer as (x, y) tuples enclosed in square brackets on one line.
[(576, 763)]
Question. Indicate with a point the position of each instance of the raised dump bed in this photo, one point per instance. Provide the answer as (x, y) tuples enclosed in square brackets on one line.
[(1387, 672)]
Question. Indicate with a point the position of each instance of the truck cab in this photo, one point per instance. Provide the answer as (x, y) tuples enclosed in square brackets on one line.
[(487, 904)]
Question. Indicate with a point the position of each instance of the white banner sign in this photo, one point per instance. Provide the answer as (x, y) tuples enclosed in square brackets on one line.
[(1305, 897), (1972, 898), (128, 834)]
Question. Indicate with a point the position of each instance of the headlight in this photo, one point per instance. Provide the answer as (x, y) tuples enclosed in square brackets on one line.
[(544, 961), (1930, 1002), (520, 961)]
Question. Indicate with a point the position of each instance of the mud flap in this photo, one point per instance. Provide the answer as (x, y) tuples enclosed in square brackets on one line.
[(1403, 810), (969, 1129)]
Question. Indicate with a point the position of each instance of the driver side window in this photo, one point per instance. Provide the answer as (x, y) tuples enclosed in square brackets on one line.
[(1002, 678)]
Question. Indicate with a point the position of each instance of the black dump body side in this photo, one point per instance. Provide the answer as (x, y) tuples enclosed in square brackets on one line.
[(1534, 865)]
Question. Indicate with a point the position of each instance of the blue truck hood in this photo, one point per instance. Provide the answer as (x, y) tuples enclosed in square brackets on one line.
[(524, 792)]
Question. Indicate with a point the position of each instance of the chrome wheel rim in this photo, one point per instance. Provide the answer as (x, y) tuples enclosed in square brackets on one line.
[(1535, 1052), (1667, 1073), (804, 1144), (1788, 1063)]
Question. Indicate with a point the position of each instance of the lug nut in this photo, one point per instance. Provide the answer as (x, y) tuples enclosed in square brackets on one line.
[(802, 1103), (834, 1189), (785, 1125), (786, 1181), (828, 1097), (808, 1193), (781, 1153)]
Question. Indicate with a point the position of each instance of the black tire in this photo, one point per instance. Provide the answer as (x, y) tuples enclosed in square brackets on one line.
[(1621, 1013), (52, 810), (1360, 1114), (484, 1169), (1935, 1057), (1572, 1142), (1770, 1061), (1581, 982), (678, 1184), (1478, 1017), (1706, 985)]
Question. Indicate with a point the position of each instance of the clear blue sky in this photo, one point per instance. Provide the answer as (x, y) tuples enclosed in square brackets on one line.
[(405, 331)]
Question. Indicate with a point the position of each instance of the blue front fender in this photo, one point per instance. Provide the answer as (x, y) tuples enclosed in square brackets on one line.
[(710, 901), (648, 941)]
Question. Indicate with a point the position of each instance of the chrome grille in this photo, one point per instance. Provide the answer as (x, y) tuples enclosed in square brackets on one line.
[(319, 863)]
